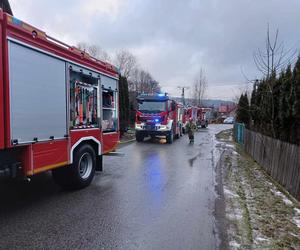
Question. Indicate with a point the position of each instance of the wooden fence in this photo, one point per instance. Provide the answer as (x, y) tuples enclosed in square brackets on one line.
[(281, 160)]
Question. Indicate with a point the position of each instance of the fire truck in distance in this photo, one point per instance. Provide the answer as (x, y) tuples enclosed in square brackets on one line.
[(197, 114), (59, 107), (158, 115), (202, 120)]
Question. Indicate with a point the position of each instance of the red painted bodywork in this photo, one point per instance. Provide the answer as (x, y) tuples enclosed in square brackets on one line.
[(110, 142), (150, 118), (42, 156), (46, 154)]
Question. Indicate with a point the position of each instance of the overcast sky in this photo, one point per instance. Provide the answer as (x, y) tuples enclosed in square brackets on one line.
[(173, 39)]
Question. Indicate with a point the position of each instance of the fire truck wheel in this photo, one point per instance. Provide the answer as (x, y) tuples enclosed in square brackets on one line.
[(80, 173), (170, 137), (152, 137), (139, 137)]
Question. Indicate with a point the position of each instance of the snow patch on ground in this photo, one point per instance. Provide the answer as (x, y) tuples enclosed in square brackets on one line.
[(234, 245), (296, 218), (229, 193), (295, 235), (236, 215), (284, 198), (297, 221), (259, 238), (297, 210)]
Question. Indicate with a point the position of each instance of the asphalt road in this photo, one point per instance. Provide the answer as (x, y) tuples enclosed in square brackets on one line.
[(155, 196)]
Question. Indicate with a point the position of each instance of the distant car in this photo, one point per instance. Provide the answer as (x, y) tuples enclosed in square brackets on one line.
[(229, 120)]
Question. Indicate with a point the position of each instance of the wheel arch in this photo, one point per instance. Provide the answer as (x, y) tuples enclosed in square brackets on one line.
[(92, 141)]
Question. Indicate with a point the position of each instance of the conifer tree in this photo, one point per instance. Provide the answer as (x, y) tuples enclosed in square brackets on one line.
[(243, 110), (276, 103), (285, 110), (296, 105), (123, 104), (253, 106)]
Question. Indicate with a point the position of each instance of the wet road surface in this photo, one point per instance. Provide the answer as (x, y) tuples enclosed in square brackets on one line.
[(155, 196)]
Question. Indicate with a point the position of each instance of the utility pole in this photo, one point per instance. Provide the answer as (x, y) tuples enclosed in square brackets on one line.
[(182, 93)]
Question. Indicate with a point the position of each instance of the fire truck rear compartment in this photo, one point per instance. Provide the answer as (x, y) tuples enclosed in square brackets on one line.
[(37, 95)]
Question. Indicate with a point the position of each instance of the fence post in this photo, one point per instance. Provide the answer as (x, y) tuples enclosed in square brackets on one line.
[(239, 133)]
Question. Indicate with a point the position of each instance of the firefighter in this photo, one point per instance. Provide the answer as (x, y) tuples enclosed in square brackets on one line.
[(191, 128)]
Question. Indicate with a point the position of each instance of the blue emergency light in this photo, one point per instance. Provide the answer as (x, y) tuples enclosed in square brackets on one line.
[(156, 120)]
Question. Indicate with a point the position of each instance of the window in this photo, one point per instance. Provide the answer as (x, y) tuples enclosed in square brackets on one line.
[(110, 115), (109, 122), (152, 106), (83, 101)]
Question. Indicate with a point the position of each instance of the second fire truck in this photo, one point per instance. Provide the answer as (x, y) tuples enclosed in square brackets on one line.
[(158, 115)]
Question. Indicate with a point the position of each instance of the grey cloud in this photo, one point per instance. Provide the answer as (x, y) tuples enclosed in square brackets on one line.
[(217, 35)]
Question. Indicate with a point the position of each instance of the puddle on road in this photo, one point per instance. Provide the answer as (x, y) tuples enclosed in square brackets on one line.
[(192, 160)]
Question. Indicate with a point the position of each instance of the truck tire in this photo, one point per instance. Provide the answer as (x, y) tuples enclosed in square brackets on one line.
[(152, 137), (79, 174), (170, 137), (139, 137)]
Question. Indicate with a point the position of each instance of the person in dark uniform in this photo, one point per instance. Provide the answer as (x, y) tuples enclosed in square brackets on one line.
[(191, 128)]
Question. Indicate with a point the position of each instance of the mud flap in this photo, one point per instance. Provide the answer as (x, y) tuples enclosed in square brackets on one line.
[(99, 163)]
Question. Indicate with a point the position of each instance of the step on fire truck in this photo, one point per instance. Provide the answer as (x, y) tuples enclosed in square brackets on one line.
[(58, 109), (157, 115)]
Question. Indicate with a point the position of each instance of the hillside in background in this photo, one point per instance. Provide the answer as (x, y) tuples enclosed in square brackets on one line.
[(207, 102)]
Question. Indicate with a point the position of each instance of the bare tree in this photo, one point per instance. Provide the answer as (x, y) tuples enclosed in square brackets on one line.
[(275, 56), (142, 81), (126, 62), (95, 51), (199, 87)]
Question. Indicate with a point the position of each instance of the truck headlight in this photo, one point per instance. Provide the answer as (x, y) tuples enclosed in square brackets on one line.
[(138, 126), (163, 127)]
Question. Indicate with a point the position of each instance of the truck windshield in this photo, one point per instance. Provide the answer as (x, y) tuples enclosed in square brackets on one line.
[(152, 107)]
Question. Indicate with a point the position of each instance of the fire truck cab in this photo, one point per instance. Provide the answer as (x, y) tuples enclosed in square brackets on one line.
[(58, 109), (157, 115)]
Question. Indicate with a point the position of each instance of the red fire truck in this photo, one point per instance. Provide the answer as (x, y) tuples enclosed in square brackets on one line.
[(202, 120), (157, 115), (59, 106)]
